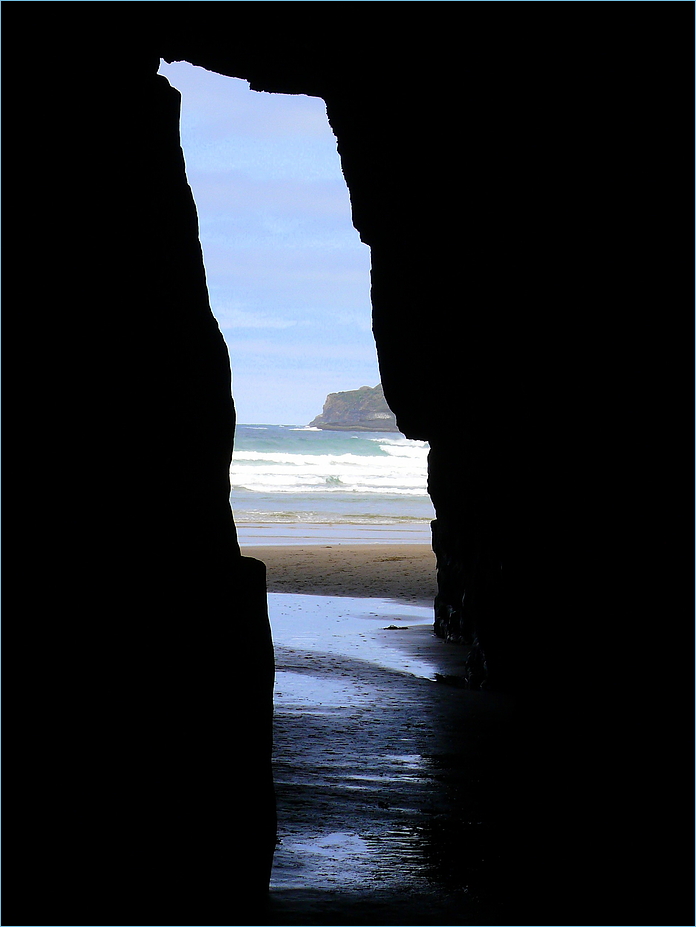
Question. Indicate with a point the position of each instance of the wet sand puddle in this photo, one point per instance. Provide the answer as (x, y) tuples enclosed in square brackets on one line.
[(378, 781)]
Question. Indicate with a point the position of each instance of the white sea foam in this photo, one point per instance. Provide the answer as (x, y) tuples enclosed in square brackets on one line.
[(253, 516), (397, 439), (399, 470)]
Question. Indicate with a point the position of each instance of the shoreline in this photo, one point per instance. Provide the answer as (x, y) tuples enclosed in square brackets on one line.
[(302, 534), (405, 572)]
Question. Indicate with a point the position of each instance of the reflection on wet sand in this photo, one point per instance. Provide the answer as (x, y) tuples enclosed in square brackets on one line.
[(383, 808)]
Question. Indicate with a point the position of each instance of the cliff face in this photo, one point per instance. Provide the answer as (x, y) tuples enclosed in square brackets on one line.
[(363, 409)]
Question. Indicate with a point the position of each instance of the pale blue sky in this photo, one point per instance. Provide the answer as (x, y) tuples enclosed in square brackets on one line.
[(287, 273)]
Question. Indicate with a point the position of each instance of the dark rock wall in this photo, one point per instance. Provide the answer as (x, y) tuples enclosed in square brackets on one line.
[(518, 177), (141, 712)]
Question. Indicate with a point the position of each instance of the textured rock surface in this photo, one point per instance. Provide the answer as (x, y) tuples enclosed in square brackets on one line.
[(363, 409), (521, 198)]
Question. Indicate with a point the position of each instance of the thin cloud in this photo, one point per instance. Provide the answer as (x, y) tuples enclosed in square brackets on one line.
[(231, 318), (303, 355)]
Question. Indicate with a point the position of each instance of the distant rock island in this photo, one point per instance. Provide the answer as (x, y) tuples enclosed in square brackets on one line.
[(363, 409)]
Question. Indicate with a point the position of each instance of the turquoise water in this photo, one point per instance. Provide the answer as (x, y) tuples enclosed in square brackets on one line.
[(307, 484)]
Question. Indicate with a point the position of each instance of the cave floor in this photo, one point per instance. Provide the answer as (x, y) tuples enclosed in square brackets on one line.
[(387, 771)]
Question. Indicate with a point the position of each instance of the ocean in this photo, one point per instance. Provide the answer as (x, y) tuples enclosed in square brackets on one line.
[(293, 484)]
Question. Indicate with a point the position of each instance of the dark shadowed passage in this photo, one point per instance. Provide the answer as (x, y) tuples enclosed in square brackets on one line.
[(390, 808)]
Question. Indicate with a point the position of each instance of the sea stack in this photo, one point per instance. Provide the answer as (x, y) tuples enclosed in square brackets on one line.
[(363, 409)]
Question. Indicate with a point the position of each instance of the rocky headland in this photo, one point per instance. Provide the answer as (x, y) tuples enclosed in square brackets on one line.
[(363, 409)]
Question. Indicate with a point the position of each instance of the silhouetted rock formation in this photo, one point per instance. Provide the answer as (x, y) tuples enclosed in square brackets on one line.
[(363, 409), (516, 177)]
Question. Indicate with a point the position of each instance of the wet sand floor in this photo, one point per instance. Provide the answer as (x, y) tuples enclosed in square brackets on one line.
[(388, 787)]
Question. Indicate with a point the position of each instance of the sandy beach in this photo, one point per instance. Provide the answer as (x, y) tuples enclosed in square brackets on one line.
[(391, 571)]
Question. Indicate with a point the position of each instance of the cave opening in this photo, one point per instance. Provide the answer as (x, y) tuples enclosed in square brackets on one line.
[(289, 285), (351, 616)]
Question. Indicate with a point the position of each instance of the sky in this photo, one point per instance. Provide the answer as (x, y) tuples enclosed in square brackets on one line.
[(288, 277)]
